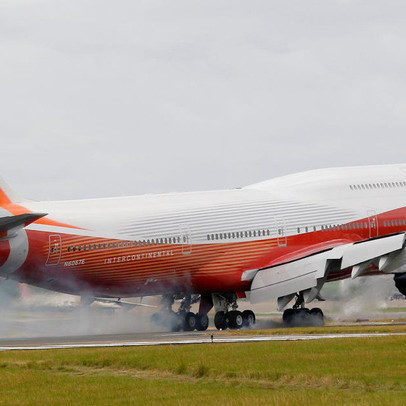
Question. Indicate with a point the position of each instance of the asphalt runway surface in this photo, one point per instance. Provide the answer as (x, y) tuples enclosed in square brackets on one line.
[(164, 338), (46, 327)]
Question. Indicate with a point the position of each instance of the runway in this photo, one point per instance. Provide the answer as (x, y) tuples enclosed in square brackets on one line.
[(153, 339), (42, 327)]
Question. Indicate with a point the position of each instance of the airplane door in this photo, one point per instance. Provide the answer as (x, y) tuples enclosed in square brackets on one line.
[(185, 240), (373, 224), (281, 232), (54, 250)]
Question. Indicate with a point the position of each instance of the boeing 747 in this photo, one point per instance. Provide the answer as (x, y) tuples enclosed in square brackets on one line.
[(281, 240)]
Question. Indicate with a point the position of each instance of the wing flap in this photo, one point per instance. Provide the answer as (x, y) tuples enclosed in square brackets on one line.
[(310, 273), (368, 250)]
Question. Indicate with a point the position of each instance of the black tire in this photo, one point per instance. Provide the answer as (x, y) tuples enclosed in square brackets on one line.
[(317, 316), (190, 321), (202, 322), (234, 319), (173, 321), (248, 318), (220, 320), (288, 316), (303, 314)]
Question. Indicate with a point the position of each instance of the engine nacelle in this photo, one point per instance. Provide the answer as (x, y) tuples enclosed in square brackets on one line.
[(400, 282)]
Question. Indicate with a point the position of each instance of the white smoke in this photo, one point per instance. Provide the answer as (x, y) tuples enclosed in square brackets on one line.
[(364, 298), (39, 313)]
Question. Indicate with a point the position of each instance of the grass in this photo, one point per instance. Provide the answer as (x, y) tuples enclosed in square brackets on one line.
[(394, 310), (351, 329), (362, 371)]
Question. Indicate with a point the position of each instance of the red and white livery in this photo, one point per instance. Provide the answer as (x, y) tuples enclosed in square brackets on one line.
[(280, 239)]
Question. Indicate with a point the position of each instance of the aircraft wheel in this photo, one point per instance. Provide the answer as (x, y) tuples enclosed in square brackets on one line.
[(303, 314), (173, 322), (190, 321), (202, 322), (317, 316), (288, 316), (234, 319), (220, 320), (248, 318)]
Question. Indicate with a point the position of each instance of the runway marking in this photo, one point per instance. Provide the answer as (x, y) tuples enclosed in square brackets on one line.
[(197, 340)]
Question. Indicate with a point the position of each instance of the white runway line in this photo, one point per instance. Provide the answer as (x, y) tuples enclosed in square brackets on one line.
[(197, 340)]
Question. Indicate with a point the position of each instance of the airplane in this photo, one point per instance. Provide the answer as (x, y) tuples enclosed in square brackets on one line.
[(281, 239)]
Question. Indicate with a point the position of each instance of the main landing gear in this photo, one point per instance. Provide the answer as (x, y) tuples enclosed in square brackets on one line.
[(300, 316), (183, 319), (233, 319)]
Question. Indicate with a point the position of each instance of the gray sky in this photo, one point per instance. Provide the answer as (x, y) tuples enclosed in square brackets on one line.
[(105, 98)]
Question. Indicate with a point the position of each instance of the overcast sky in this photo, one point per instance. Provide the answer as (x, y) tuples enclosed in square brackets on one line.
[(105, 98)]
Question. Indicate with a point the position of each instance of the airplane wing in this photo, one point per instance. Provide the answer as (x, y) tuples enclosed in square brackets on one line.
[(9, 223), (308, 274)]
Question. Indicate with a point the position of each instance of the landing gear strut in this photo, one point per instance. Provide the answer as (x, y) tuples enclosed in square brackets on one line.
[(300, 316), (183, 319), (233, 319)]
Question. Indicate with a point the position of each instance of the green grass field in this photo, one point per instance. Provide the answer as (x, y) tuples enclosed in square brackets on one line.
[(361, 371)]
